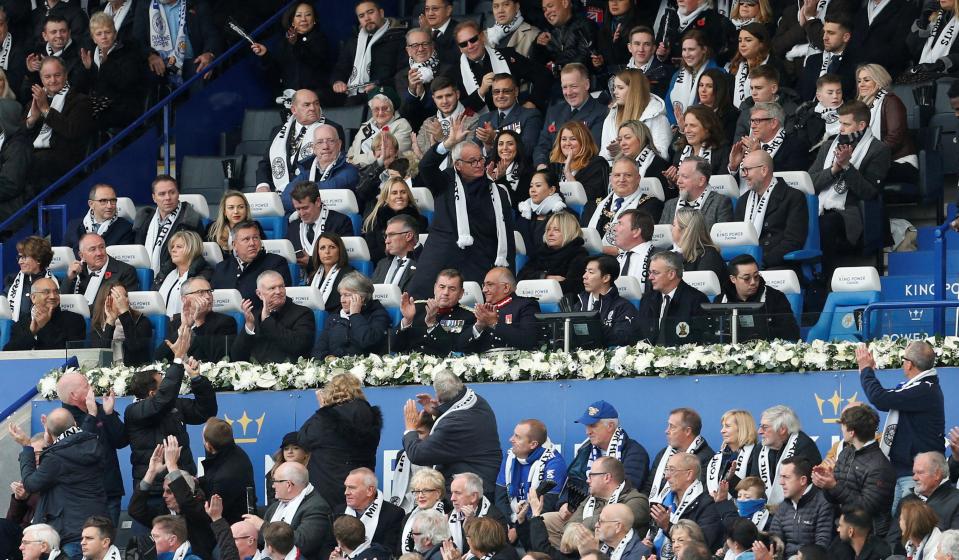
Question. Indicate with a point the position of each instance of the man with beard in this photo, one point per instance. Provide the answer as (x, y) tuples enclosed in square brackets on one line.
[(361, 69)]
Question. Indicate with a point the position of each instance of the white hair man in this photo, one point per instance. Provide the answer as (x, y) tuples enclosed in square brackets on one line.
[(279, 330), (466, 493), (382, 520), (782, 437)]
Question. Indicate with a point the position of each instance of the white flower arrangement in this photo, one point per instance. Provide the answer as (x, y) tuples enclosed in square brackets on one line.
[(627, 361)]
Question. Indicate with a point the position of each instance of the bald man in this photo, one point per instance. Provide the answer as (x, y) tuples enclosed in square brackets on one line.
[(616, 536), (275, 329), (327, 168), (48, 327), (68, 477), (506, 320)]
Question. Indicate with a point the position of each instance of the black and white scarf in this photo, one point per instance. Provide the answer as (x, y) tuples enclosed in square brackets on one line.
[(498, 35), (426, 68), (470, 82), (892, 419), (363, 57), (617, 553), (606, 207), (318, 175), (644, 68), (101, 228), (161, 38), (660, 485), (370, 517), (739, 23), (318, 227), (741, 84), (875, 113), (325, 283), (770, 477), (402, 474), (645, 158), (686, 20), (66, 433), (118, 14), (369, 130), (113, 553), (684, 89), (834, 198), (94, 279), (549, 205), (697, 204), (614, 449), (704, 152), (511, 176), (830, 116), (646, 249), (406, 542), (158, 233), (15, 294), (938, 44), (466, 402), (59, 53), (714, 468), (182, 551), (5, 50), (688, 498), (772, 147), (285, 511), (457, 519), (589, 507), (464, 237), (99, 55), (536, 474), (756, 207), (281, 159), (42, 141)]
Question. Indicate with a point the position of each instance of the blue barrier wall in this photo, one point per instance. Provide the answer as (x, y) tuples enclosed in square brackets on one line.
[(261, 419)]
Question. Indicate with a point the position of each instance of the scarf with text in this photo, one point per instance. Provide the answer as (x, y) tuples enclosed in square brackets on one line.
[(940, 40), (517, 490), (370, 516), (161, 38), (363, 57), (283, 155), (617, 553), (15, 294), (457, 519), (660, 486), (157, 234), (771, 478), (713, 469), (589, 508)]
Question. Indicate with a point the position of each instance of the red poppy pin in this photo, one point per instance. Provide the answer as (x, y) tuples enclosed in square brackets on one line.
[(552, 128), (107, 275), (701, 22), (469, 112), (386, 129)]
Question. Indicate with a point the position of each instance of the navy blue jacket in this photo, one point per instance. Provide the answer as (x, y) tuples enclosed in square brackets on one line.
[(344, 175), (363, 333), (635, 460), (922, 420), (227, 275), (110, 431), (592, 114), (619, 317)]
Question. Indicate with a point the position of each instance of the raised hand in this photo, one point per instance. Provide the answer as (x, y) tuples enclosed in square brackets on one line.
[(864, 357), (411, 415), (171, 453), (214, 507), (407, 308)]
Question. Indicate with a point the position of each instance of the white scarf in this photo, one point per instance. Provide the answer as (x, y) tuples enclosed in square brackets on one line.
[(370, 517), (498, 32), (660, 485), (686, 20), (713, 474), (771, 478), (464, 238), (689, 496), (875, 113), (446, 123), (15, 294), (363, 57), (873, 9), (589, 508), (760, 519), (286, 510), (826, 61), (496, 61), (113, 553), (772, 147), (892, 419), (98, 56), (42, 141), (369, 130), (280, 158), (5, 50), (161, 39), (93, 285), (645, 158), (457, 519), (466, 402), (426, 68), (511, 176), (181, 552), (684, 89), (406, 541), (118, 15), (157, 234), (937, 45), (697, 204), (324, 174), (170, 291), (834, 198), (756, 207), (320, 226), (549, 205), (59, 53), (630, 201), (741, 89), (617, 553), (740, 23), (535, 475), (401, 483), (829, 116), (704, 152), (326, 288), (644, 68), (91, 227)]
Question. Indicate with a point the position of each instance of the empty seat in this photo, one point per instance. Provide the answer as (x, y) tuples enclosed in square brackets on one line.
[(250, 165), (137, 257), (199, 203), (259, 123), (472, 294), (310, 297), (6, 321), (736, 238), (358, 253), (853, 288), (651, 186), (284, 248), (63, 257), (344, 202), (799, 180), (725, 185), (151, 305), (663, 236), (350, 118), (212, 253), (77, 304), (548, 292), (204, 175), (630, 288), (705, 281), (267, 208), (574, 194), (390, 297), (125, 208), (229, 302)]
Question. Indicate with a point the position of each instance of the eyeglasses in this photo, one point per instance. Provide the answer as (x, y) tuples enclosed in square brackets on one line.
[(492, 284), (422, 45), (25, 541), (241, 537), (757, 120), (325, 141), (423, 491), (470, 41), (23, 257), (47, 292), (596, 474), (104, 200), (750, 277), (155, 538), (747, 169), (473, 162), (200, 292), (670, 470), (601, 521), (280, 481), (504, 91), (389, 235)]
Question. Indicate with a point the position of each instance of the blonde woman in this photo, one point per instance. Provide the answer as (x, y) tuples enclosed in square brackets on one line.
[(290, 451), (341, 436), (234, 208), (563, 256), (888, 121), (112, 70), (632, 100), (733, 461), (186, 261), (428, 488), (692, 241), (395, 198)]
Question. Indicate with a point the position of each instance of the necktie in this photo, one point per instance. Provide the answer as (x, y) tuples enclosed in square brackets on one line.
[(663, 311), (436, 34), (572, 114), (833, 64), (618, 203), (625, 271), (310, 233), (395, 271), (502, 117)]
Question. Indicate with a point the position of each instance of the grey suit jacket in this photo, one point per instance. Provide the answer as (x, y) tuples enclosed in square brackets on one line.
[(862, 183), (717, 208), (383, 268), (523, 38), (312, 526)]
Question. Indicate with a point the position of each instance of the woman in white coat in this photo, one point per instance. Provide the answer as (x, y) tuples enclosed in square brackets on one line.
[(383, 103), (632, 100)]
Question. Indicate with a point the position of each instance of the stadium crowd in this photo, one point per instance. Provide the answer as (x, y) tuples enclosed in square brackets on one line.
[(766, 492)]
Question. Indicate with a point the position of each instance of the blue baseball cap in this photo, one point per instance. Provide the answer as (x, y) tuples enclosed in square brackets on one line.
[(599, 410)]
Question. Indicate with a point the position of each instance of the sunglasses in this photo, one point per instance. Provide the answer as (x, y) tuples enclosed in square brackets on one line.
[(470, 41)]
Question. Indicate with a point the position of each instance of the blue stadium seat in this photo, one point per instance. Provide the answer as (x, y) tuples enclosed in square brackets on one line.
[(62, 258), (6, 320), (212, 253), (77, 304), (424, 202), (811, 253), (267, 209), (308, 296), (787, 282), (853, 288), (284, 248), (126, 209), (548, 292), (229, 302), (521, 258), (705, 281), (630, 288), (151, 304), (344, 202), (929, 189), (389, 296), (358, 253), (137, 257), (736, 238), (575, 196)]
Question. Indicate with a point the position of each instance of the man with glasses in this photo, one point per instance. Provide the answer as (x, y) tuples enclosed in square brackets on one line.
[(508, 114), (398, 267), (479, 63), (764, 87), (782, 438), (39, 543), (775, 319), (789, 151), (430, 530), (327, 168), (667, 311), (505, 320), (303, 508), (413, 81), (686, 499), (437, 20), (777, 211), (617, 538), (212, 332), (48, 327), (235, 542), (101, 219)]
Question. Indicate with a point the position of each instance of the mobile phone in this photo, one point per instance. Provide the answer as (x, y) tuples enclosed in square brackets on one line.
[(251, 500)]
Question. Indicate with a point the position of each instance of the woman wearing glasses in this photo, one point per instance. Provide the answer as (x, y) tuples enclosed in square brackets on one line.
[(428, 489), (34, 255)]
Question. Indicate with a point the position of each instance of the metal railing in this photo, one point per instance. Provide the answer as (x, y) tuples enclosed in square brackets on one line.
[(938, 307)]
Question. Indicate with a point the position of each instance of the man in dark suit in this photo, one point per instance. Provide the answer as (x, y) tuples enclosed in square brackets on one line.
[(506, 320), (692, 179), (313, 219), (205, 38), (60, 118), (402, 247), (55, 38), (418, 66), (241, 270), (210, 329), (507, 114), (775, 320), (383, 521), (227, 470), (684, 428), (879, 32), (357, 73), (930, 473), (768, 132), (86, 275), (776, 210), (835, 59), (310, 518), (666, 313), (479, 64), (279, 330), (47, 327), (101, 219), (433, 326), (438, 21), (847, 170), (577, 104), (152, 227), (69, 12)]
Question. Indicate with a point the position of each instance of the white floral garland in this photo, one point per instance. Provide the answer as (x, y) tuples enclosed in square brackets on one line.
[(627, 361)]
